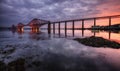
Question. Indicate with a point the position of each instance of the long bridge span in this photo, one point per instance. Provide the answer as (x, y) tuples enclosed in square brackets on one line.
[(37, 23)]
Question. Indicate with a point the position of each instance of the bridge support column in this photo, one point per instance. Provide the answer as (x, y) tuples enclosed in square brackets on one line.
[(19, 28), (35, 29), (53, 28), (94, 25), (49, 28), (73, 27), (82, 27), (94, 21), (109, 22), (82, 24), (59, 28), (65, 29)]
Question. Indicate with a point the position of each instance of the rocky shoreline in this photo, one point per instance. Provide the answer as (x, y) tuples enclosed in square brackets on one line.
[(50, 61), (17, 65), (98, 42)]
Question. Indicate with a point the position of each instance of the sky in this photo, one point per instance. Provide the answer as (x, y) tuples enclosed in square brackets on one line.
[(15, 11)]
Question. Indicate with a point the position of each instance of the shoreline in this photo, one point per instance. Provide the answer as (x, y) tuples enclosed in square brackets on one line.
[(98, 42)]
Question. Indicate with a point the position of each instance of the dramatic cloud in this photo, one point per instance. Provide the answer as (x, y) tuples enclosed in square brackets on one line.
[(15, 11)]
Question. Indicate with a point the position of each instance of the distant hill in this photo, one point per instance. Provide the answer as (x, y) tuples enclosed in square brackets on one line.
[(5, 28), (115, 25)]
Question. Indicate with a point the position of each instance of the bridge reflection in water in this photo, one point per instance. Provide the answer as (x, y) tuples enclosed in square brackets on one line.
[(36, 34), (86, 33)]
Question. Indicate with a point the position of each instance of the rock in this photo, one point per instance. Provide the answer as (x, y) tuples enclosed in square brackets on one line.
[(8, 49), (36, 63), (98, 42), (2, 66), (17, 65)]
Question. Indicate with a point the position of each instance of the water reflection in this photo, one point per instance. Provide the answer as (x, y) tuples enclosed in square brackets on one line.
[(36, 30), (107, 34), (33, 34), (20, 31), (69, 55)]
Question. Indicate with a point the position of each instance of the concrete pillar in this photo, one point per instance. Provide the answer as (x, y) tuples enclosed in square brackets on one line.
[(109, 22), (65, 29), (59, 28), (73, 27), (53, 28), (82, 24), (49, 28), (94, 21)]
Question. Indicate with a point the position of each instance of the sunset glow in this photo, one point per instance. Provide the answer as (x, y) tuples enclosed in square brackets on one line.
[(59, 35), (52, 10)]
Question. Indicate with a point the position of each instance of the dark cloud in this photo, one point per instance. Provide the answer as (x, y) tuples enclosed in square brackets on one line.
[(15, 11)]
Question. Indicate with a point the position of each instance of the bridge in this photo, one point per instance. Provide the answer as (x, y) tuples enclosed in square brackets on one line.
[(37, 23)]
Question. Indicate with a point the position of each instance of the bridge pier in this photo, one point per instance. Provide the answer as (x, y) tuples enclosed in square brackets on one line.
[(65, 29), (35, 29), (53, 28), (20, 27), (82, 24), (73, 27), (49, 28), (94, 21), (59, 28), (109, 22), (20, 30)]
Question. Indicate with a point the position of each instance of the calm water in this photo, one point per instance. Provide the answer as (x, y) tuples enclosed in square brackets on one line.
[(60, 51), (111, 35)]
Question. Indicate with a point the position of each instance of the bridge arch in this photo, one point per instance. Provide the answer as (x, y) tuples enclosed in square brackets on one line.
[(20, 26), (35, 24)]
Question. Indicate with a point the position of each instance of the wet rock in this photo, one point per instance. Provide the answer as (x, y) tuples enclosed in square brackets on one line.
[(9, 45), (17, 65), (2, 66), (98, 42), (36, 63), (9, 51)]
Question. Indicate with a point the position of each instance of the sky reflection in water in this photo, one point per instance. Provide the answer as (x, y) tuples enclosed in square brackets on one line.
[(63, 51)]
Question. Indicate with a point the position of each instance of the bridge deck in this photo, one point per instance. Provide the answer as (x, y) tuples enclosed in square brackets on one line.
[(104, 17), (39, 24)]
